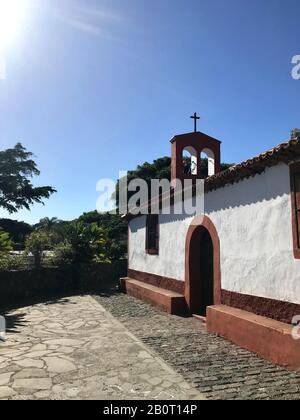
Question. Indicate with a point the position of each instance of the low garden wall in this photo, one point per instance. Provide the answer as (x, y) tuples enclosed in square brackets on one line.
[(17, 286)]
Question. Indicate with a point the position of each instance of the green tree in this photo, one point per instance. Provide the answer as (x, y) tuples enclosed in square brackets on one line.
[(116, 232), (88, 242), (17, 230), (16, 190), (53, 227), (6, 244), (160, 169), (48, 224), (36, 243)]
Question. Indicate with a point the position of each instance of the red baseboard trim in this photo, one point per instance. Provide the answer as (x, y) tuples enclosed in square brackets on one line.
[(158, 281), (270, 308)]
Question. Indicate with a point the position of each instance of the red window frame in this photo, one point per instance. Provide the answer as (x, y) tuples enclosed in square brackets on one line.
[(152, 234), (295, 199)]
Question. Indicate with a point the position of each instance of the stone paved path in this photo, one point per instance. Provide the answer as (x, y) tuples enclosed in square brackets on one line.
[(74, 349), (218, 369)]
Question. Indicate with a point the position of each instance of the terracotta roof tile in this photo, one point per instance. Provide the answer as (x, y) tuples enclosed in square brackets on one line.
[(284, 152)]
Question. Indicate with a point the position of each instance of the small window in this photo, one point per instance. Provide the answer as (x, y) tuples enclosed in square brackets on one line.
[(152, 234), (295, 192)]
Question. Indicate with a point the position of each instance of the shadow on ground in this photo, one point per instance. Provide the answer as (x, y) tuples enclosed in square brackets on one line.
[(15, 322), (62, 298)]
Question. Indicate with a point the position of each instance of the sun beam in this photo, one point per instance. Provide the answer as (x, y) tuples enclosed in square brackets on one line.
[(12, 13)]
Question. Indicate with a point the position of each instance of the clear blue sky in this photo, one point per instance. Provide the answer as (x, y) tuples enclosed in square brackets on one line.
[(96, 86)]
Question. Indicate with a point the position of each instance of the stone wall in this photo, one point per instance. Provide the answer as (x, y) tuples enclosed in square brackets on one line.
[(43, 284)]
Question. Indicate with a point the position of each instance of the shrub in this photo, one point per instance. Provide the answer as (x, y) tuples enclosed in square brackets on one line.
[(64, 254), (36, 243), (12, 262), (88, 242), (4, 265), (6, 244)]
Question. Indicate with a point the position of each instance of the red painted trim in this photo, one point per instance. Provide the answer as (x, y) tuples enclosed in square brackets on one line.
[(295, 200), (158, 281), (192, 274), (270, 308), (268, 338), (152, 251)]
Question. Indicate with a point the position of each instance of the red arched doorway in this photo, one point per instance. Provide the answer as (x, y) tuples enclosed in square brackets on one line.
[(202, 266)]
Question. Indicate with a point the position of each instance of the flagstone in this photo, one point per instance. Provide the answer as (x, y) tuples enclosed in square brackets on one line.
[(37, 354), (30, 363), (64, 342), (58, 365), (33, 383), (6, 392), (42, 395), (66, 350), (39, 347), (31, 373), (5, 378)]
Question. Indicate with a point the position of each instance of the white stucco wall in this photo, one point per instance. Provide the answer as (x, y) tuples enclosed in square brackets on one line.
[(253, 220)]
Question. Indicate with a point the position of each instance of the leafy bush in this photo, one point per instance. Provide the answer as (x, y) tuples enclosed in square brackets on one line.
[(64, 254), (6, 244), (4, 265), (36, 243), (12, 262), (116, 232), (88, 242)]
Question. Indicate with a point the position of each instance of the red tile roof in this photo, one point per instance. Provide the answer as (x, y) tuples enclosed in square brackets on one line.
[(284, 152)]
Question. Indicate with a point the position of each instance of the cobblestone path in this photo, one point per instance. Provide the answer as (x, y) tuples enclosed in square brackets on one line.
[(218, 369), (74, 349)]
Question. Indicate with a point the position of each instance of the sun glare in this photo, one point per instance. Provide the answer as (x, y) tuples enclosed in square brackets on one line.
[(12, 13)]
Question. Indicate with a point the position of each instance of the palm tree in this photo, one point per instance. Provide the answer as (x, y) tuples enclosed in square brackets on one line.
[(48, 224)]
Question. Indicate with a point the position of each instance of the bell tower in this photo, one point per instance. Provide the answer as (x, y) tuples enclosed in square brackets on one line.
[(195, 144)]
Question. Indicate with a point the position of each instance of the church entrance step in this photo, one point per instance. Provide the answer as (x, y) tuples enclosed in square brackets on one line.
[(167, 300)]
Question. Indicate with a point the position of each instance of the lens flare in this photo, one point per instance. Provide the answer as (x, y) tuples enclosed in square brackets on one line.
[(12, 14)]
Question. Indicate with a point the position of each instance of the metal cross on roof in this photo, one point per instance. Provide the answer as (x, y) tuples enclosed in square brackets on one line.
[(195, 118)]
